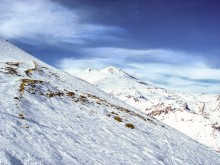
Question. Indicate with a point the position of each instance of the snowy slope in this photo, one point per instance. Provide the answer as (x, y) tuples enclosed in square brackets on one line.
[(197, 116), (50, 117)]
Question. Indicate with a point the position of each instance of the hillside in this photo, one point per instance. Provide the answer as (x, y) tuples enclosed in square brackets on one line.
[(50, 117), (196, 115)]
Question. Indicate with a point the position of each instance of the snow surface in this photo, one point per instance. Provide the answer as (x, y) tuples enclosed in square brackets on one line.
[(195, 115), (50, 117)]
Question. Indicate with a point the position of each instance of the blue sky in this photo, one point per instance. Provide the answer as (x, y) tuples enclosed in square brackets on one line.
[(171, 43)]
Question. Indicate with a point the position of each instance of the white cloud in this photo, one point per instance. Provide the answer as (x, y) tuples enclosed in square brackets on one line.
[(148, 55), (187, 75), (47, 21)]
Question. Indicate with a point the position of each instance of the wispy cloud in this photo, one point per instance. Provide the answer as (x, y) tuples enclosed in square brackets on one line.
[(188, 78), (148, 55), (167, 68), (47, 21)]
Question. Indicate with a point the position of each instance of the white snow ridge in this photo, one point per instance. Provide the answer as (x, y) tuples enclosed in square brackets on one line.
[(50, 117)]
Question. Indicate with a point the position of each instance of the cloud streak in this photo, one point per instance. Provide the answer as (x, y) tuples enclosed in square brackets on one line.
[(47, 21), (148, 55)]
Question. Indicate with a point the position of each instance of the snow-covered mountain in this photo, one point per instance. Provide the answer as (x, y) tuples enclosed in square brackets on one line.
[(50, 117), (196, 115)]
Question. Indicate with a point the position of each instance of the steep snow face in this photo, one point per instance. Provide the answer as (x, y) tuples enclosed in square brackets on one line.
[(195, 115), (50, 117)]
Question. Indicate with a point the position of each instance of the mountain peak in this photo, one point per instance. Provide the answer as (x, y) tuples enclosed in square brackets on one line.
[(112, 69)]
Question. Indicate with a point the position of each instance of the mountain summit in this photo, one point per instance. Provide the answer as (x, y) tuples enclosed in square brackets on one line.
[(110, 78), (50, 117), (111, 69)]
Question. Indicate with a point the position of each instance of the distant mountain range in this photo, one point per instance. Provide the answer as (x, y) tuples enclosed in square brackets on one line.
[(196, 115)]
